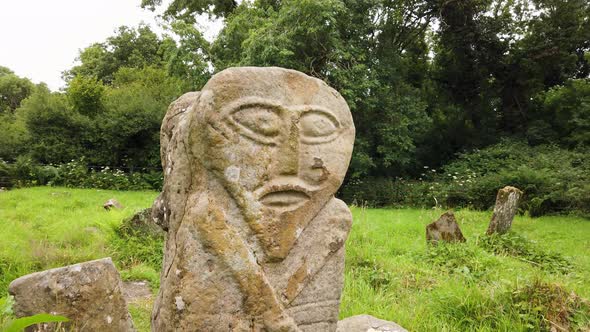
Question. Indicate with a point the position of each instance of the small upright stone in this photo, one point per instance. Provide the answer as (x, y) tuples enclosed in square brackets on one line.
[(505, 210), (143, 224), (112, 203), (444, 229), (89, 294)]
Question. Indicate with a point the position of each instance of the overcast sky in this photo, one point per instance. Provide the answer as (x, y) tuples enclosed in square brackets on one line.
[(41, 38)]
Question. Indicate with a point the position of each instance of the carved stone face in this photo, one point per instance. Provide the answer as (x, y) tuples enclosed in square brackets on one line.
[(280, 142)]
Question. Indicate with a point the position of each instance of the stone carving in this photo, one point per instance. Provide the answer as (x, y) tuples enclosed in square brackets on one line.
[(255, 236), (89, 294), (506, 207), (444, 229)]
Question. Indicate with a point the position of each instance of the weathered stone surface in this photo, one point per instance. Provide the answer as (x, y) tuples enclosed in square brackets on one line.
[(444, 229), (89, 294), (367, 323), (112, 203), (255, 236), (136, 290), (506, 207), (142, 223)]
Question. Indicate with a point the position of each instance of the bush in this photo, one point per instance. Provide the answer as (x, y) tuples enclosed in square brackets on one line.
[(76, 174), (553, 179), (546, 306), (370, 191)]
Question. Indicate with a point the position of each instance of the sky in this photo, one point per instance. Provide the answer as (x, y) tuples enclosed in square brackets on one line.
[(39, 39)]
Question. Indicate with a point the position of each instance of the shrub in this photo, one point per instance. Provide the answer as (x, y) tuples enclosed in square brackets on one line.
[(553, 179), (76, 174), (549, 307)]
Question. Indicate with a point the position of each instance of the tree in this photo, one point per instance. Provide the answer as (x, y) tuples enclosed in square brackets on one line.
[(189, 58), (562, 115), (551, 51), (85, 94), (13, 90), (58, 134), (129, 47), (187, 9), (129, 130)]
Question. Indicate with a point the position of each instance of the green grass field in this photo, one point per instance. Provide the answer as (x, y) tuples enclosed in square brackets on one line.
[(533, 279)]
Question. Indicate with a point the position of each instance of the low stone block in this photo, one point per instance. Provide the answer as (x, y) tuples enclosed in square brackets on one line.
[(367, 323), (89, 294)]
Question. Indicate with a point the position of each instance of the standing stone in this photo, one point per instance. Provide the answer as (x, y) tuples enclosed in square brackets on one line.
[(89, 294), (505, 210), (255, 236), (444, 229), (141, 224)]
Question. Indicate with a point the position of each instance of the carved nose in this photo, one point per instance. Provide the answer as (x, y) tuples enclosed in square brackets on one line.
[(288, 154)]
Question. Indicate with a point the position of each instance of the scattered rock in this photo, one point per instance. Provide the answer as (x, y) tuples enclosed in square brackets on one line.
[(506, 207), (89, 294), (136, 290), (255, 236), (141, 223), (160, 213), (367, 323), (112, 203), (444, 229)]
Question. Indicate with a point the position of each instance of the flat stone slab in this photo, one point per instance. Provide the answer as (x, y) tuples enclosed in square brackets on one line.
[(89, 294), (367, 323), (136, 290)]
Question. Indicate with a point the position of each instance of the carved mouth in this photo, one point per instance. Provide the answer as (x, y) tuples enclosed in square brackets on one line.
[(286, 199)]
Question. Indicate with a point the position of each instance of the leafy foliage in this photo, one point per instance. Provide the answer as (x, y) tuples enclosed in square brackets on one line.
[(13, 90), (20, 324), (553, 179), (76, 173), (514, 245), (546, 307)]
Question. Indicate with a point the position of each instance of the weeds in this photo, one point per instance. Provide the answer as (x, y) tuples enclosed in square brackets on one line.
[(549, 307), (460, 259), (375, 275), (512, 244)]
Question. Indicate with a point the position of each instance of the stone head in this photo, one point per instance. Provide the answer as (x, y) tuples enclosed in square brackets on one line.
[(280, 143)]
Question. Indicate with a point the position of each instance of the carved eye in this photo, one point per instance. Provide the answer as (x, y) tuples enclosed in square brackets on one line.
[(260, 123), (318, 127)]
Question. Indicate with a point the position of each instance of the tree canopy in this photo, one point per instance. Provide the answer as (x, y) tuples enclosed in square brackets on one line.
[(425, 80)]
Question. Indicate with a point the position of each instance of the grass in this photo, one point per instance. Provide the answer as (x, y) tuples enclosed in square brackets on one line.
[(47, 227), (535, 278), (482, 285)]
